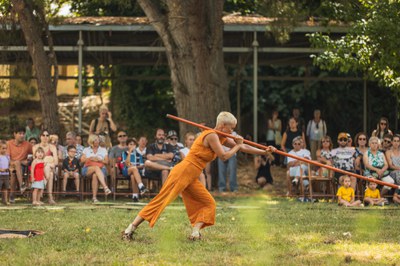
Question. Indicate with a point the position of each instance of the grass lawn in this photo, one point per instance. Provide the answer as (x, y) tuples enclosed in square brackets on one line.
[(255, 230)]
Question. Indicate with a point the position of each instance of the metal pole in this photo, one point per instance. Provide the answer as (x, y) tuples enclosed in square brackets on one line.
[(80, 59), (255, 87), (238, 99), (365, 105)]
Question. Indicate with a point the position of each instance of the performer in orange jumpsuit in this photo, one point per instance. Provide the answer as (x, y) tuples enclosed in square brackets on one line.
[(183, 179)]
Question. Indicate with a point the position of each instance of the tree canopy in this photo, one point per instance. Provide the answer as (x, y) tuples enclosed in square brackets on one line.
[(371, 46)]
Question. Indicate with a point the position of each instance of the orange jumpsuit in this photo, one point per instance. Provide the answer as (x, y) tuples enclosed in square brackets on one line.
[(183, 178)]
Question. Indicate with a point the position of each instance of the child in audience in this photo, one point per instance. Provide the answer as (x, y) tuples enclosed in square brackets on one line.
[(4, 172), (132, 161), (37, 176), (346, 193), (70, 168), (372, 195), (396, 197)]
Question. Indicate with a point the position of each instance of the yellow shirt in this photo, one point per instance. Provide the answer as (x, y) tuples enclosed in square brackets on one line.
[(369, 193), (346, 193)]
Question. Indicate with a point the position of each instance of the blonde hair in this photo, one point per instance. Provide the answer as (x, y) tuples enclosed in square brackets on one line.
[(226, 118), (92, 138), (372, 139), (103, 108), (342, 178)]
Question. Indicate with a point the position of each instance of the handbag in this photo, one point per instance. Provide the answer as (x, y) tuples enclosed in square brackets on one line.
[(278, 138)]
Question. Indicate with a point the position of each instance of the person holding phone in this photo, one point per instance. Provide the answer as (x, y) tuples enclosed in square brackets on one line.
[(103, 125)]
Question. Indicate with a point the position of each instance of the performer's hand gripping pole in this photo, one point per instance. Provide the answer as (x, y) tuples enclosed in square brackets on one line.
[(257, 145)]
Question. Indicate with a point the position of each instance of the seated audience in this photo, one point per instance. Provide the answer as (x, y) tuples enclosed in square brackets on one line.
[(393, 159), (33, 141), (345, 193), (60, 149), (343, 158), (324, 154), (386, 144), (115, 153), (51, 161), (298, 168), (70, 168), (376, 164), (95, 159), (172, 139), (79, 140), (159, 156), (131, 160), (372, 196), (18, 149), (71, 140), (360, 141)]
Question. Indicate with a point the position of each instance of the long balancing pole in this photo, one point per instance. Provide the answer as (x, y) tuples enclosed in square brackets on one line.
[(260, 146)]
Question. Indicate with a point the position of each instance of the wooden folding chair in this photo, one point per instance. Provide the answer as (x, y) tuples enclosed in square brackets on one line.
[(315, 179)]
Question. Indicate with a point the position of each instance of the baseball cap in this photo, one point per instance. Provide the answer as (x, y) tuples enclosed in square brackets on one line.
[(171, 133), (342, 135)]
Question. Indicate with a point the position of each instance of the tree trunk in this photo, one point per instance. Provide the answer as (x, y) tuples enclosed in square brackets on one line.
[(192, 31), (32, 29)]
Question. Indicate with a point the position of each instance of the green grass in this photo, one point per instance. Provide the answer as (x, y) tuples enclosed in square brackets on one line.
[(256, 231)]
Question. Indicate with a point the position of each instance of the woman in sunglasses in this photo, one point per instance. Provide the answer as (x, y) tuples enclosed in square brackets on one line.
[(361, 143), (50, 161), (376, 165), (382, 128)]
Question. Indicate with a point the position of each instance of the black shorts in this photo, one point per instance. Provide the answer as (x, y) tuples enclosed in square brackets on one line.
[(4, 182)]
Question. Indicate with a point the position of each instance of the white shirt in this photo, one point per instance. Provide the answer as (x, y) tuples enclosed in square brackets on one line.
[(101, 153)]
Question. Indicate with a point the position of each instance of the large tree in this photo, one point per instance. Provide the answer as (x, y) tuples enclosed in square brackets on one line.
[(191, 31), (32, 20)]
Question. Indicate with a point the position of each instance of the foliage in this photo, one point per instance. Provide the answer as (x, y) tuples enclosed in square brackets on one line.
[(370, 46), (106, 8), (140, 105), (255, 230)]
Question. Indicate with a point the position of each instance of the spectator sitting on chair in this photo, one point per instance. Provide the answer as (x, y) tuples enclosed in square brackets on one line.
[(159, 156), (33, 141), (71, 139), (31, 131), (79, 140), (103, 125), (50, 159), (343, 157), (294, 165), (115, 155), (142, 149), (95, 159), (131, 161), (172, 139), (386, 144), (18, 150), (60, 149), (70, 168)]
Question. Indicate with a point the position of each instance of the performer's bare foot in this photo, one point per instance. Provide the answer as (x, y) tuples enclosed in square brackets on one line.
[(126, 236), (196, 235)]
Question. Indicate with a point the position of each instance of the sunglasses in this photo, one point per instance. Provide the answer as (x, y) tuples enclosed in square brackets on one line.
[(45, 135), (387, 141), (362, 139), (173, 138), (296, 143), (121, 136), (384, 124), (343, 139)]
